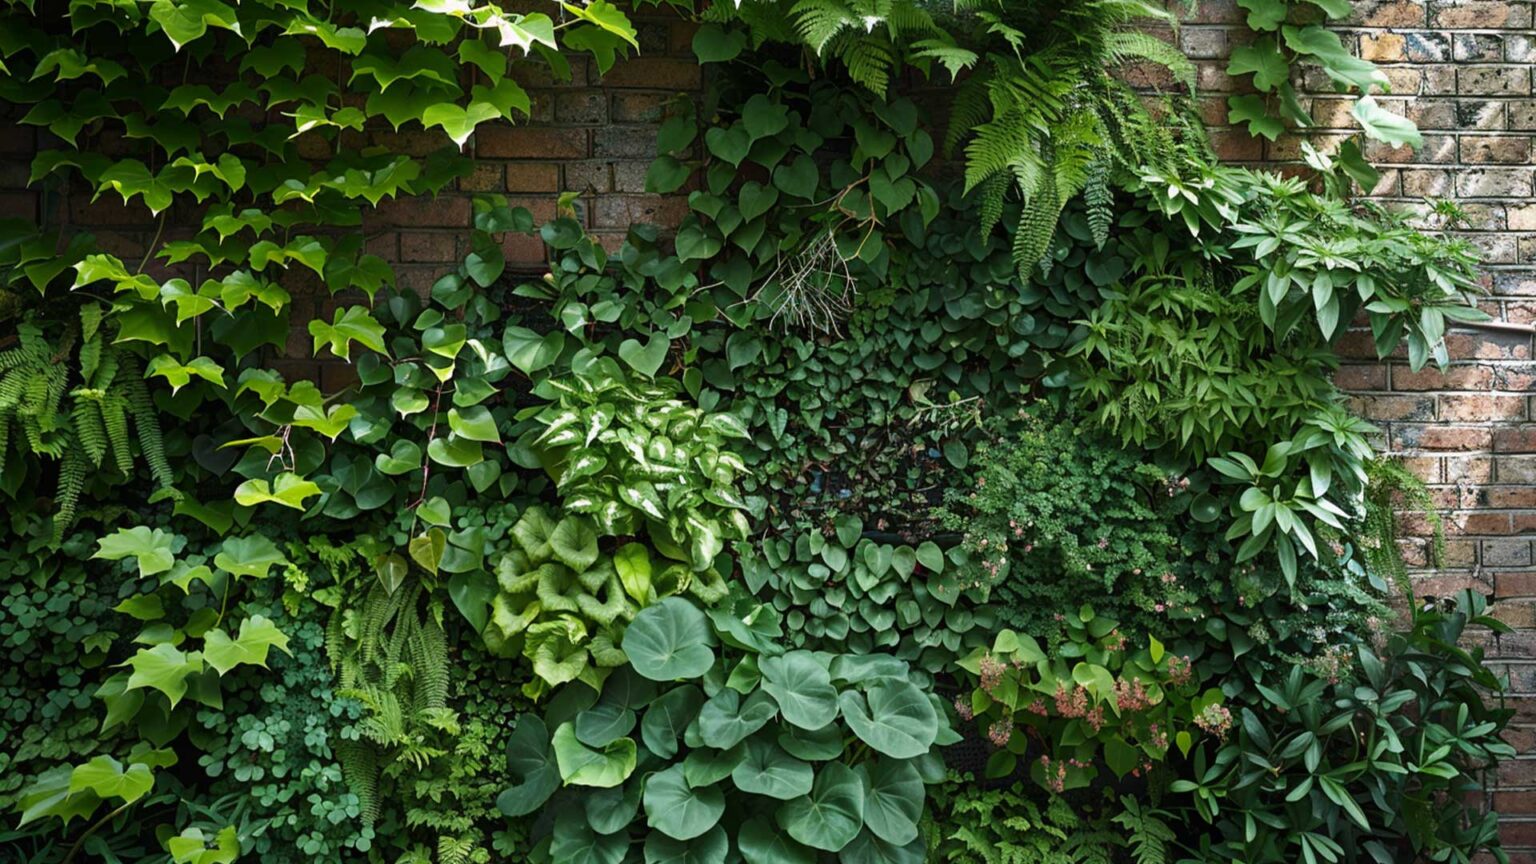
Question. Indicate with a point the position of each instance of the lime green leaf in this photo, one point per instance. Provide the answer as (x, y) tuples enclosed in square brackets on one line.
[(249, 556), (257, 635), (105, 776), (178, 374), (1383, 125), (288, 490), (164, 668), (152, 548), (352, 324)]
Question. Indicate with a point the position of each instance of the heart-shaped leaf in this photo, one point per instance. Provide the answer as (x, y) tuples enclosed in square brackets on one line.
[(670, 641)]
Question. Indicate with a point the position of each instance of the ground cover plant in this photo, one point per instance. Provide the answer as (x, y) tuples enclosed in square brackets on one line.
[(950, 485)]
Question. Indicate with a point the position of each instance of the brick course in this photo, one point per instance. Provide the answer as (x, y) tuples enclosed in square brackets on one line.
[(1461, 69)]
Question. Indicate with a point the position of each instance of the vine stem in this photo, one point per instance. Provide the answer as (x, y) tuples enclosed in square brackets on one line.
[(75, 849), (150, 249)]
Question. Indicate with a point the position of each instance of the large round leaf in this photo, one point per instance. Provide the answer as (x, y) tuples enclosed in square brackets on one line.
[(801, 685), (574, 841), (581, 765), (893, 800), (761, 843), (611, 810), (869, 849), (604, 723), (727, 719), (765, 769), (667, 717), (678, 810), (530, 758), (706, 766), (831, 816), (708, 849), (896, 719), (813, 745), (670, 640)]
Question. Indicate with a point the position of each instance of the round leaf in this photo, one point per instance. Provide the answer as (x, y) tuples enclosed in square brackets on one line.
[(765, 769), (669, 641), (678, 810), (896, 719), (832, 814), (801, 685)]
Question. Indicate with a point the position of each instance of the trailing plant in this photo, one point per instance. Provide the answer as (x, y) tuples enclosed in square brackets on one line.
[(1293, 32), (730, 742), (853, 594)]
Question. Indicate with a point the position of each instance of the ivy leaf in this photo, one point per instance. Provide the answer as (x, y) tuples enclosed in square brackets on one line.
[(474, 424), (152, 548), (1264, 60), (164, 668), (105, 776), (1251, 110), (178, 374), (459, 123), (605, 16), (1383, 125), (348, 325), (329, 423), (427, 549), (257, 635), (287, 489), (249, 556), (1265, 15), (186, 22), (1324, 46), (531, 351), (645, 359), (711, 44), (666, 175)]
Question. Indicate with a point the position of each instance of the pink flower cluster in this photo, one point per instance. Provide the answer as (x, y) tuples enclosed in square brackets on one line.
[(1132, 695), (1215, 720)]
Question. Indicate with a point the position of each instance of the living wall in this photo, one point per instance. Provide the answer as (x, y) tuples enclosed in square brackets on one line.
[(962, 481)]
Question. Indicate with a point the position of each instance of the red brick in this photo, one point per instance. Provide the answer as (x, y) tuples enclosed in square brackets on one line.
[(444, 211), (1463, 438), (528, 142), (1482, 408), (533, 177), (1452, 378), (657, 73)]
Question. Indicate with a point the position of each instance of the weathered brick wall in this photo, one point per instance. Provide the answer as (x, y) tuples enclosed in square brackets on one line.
[(1462, 69)]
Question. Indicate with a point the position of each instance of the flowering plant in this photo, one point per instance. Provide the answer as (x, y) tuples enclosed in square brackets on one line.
[(1095, 700)]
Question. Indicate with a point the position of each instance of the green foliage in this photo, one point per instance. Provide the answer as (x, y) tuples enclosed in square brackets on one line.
[(1288, 33), (972, 824), (853, 594), (1098, 699), (630, 455), (1293, 766), (743, 744)]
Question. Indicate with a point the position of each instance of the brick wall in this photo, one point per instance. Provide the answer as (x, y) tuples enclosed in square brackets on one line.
[(1462, 69)]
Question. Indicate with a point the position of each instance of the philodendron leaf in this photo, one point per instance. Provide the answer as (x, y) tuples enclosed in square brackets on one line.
[(670, 641), (727, 719), (893, 800), (532, 764), (678, 811), (427, 549), (895, 718), (583, 766), (831, 815), (800, 683), (765, 769), (667, 717), (869, 849), (708, 849), (761, 843), (152, 548)]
